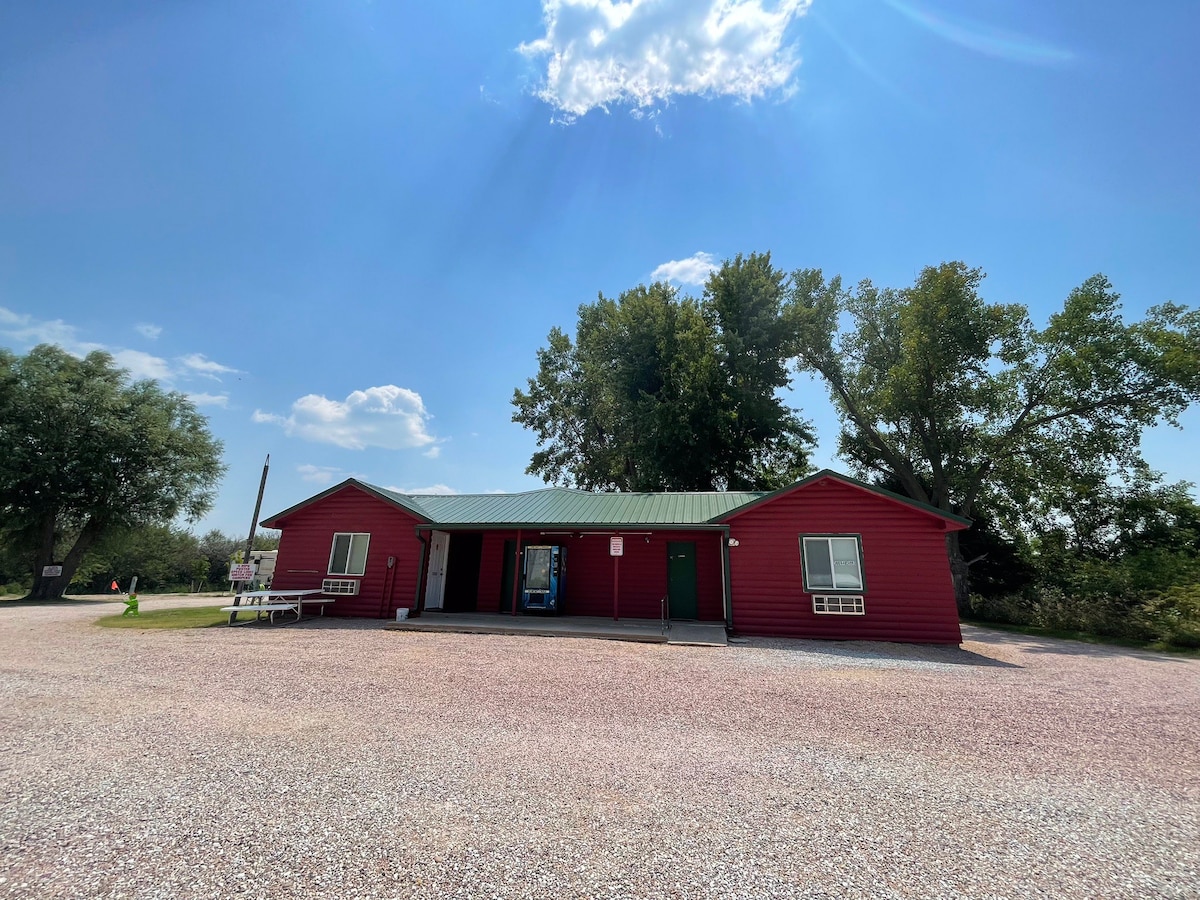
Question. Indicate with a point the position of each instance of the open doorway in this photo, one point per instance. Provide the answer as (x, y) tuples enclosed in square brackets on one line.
[(462, 572)]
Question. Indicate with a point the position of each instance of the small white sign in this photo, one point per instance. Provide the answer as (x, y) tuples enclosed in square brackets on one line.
[(241, 572), (616, 546), (51, 571)]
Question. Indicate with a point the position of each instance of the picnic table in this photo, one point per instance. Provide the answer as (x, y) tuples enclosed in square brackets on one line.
[(273, 602)]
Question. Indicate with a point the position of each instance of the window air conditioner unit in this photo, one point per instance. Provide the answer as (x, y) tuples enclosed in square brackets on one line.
[(838, 605)]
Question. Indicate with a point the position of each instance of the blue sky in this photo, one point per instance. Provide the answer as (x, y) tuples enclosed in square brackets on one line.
[(345, 228)]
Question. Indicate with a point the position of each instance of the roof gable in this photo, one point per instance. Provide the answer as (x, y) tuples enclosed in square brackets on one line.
[(398, 500), (953, 522)]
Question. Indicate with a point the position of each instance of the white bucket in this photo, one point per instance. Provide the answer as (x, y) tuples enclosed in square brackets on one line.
[(402, 614)]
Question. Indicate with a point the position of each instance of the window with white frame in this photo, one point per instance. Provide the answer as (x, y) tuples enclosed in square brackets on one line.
[(349, 554), (832, 562)]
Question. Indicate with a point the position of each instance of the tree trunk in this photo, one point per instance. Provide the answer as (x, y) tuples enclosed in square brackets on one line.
[(45, 588), (960, 572), (52, 587)]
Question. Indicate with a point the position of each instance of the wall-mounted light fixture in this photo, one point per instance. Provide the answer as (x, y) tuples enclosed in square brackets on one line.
[(733, 542)]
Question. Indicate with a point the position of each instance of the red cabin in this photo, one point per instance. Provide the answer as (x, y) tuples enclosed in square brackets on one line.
[(827, 557)]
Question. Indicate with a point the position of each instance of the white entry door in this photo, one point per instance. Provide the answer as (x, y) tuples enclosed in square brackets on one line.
[(435, 581)]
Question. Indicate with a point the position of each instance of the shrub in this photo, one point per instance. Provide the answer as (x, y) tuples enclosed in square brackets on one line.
[(1173, 616)]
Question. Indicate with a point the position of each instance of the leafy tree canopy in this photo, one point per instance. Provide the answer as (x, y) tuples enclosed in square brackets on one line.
[(666, 392), (87, 450), (966, 404)]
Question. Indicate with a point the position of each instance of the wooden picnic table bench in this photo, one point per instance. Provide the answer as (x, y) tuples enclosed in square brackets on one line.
[(273, 602)]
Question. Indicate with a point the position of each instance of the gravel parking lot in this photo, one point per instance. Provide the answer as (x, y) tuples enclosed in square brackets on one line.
[(334, 759)]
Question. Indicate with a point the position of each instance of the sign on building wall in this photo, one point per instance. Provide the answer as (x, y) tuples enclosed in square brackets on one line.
[(616, 546)]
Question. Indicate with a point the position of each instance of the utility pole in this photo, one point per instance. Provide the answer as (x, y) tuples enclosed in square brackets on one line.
[(262, 486)]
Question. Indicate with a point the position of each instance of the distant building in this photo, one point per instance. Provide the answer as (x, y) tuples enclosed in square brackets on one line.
[(264, 565)]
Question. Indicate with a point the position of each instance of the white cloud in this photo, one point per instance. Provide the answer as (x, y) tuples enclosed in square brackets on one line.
[(431, 489), (143, 365), (387, 416), (644, 52), (693, 270), (221, 400), (433, 452), (202, 365), (148, 331), (320, 474), (24, 329)]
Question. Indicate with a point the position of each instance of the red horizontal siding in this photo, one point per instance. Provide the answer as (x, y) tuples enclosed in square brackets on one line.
[(642, 578), (491, 567), (909, 593), (307, 538)]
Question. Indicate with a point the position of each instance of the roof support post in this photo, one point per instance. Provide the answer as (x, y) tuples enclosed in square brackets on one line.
[(418, 604), (726, 581), (516, 574), (616, 584)]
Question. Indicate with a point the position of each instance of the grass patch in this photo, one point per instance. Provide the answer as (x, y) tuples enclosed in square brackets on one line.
[(192, 617), (1083, 637)]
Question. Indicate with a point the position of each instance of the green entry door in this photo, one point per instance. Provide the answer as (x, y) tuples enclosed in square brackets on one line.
[(681, 579)]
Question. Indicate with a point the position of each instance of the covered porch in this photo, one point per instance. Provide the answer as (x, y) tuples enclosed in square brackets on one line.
[(652, 575)]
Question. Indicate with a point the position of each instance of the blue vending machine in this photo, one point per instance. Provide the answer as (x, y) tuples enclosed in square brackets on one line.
[(543, 585)]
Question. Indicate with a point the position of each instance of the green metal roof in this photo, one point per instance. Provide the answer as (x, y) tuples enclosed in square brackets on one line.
[(563, 506)]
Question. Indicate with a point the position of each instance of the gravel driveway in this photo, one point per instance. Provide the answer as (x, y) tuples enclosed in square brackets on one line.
[(334, 759)]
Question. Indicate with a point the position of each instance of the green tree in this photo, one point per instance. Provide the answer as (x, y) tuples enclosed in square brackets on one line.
[(1125, 563), (160, 556), (86, 451), (665, 392), (218, 550), (762, 443), (966, 405)]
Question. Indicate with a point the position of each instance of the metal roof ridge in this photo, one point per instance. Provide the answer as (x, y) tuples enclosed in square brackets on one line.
[(485, 493), (565, 490)]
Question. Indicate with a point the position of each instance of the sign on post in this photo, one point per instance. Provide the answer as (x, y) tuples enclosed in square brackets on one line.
[(241, 572), (616, 546)]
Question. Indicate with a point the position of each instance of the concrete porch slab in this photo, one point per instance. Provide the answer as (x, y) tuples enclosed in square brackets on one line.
[(708, 634), (698, 634)]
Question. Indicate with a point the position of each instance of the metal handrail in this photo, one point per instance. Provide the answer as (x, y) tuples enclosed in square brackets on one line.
[(664, 615)]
